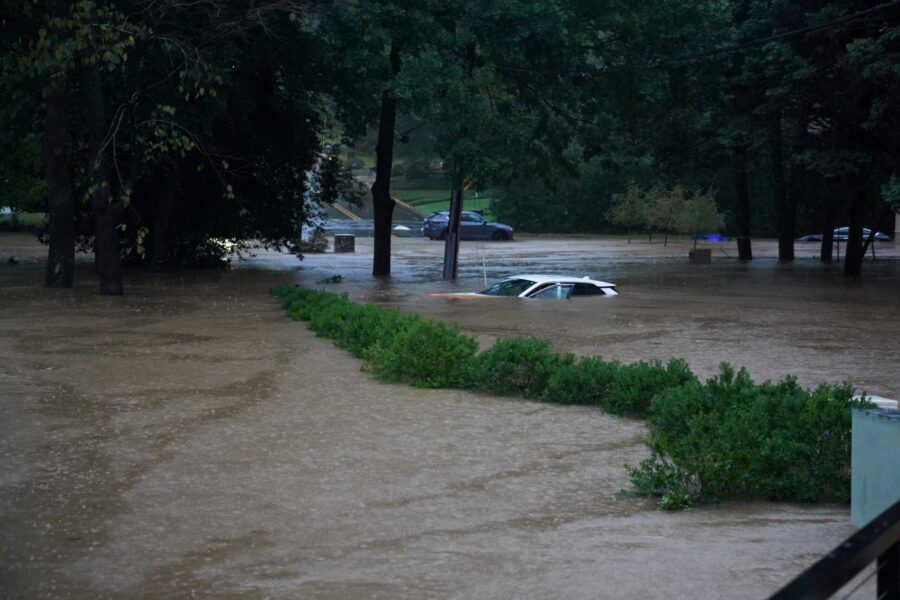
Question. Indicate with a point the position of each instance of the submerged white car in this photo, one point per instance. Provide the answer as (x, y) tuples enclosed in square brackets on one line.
[(541, 286), (549, 286)]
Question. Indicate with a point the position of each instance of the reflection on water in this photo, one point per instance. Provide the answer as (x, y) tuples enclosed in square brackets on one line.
[(188, 439)]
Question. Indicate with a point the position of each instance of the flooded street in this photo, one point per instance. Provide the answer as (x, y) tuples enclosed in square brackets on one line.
[(188, 440)]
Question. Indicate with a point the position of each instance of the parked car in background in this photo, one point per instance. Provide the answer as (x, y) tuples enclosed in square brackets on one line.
[(841, 233), (472, 226)]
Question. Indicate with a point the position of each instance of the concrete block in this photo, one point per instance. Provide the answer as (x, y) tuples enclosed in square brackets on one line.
[(344, 243)]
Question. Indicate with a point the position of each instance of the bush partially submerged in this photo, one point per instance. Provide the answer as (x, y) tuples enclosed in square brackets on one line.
[(732, 438), (637, 386), (517, 366), (726, 438), (395, 346), (424, 354)]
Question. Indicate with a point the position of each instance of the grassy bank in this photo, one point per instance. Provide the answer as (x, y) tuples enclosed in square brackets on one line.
[(430, 200)]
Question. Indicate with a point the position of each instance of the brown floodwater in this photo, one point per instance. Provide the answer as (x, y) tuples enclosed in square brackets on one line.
[(188, 440)]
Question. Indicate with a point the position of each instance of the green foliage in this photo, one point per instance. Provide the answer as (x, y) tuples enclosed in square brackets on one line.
[(890, 192), (699, 214), (587, 381), (368, 327), (332, 279), (202, 142), (731, 438), (638, 385), (329, 316), (302, 303), (516, 366), (630, 209), (24, 188), (662, 479), (666, 206), (396, 347), (578, 201), (425, 354)]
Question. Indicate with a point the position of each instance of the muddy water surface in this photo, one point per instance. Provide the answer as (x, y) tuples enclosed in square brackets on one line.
[(187, 440)]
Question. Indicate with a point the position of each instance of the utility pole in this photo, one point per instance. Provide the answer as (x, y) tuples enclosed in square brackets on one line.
[(451, 245)]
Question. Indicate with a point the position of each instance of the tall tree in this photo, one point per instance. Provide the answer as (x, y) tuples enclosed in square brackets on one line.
[(489, 76), (370, 42), (206, 95), (382, 202)]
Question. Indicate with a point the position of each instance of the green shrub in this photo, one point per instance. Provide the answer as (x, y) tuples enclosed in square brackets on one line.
[(636, 386), (424, 354), (354, 327), (734, 439), (302, 303), (516, 366), (365, 326), (587, 381), (328, 315)]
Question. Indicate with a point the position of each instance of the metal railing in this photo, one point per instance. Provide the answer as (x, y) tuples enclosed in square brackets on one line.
[(879, 542)]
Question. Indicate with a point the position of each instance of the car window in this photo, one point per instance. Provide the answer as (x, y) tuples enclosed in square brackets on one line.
[(587, 289), (508, 287), (559, 290), (472, 218)]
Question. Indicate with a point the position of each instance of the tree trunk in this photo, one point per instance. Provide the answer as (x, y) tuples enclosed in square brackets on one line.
[(382, 203), (451, 244), (58, 170), (61, 253), (884, 218), (784, 203), (106, 239), (742, 189), (854, 254)]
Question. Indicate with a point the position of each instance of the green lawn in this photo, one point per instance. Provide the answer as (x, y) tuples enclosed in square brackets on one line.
[(428, 201), (22, 221)]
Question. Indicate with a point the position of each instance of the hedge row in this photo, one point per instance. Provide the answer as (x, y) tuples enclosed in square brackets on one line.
[(725, 438)]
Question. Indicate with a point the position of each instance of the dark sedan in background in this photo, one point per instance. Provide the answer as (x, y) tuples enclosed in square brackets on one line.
[(840, 235), (472, 226)]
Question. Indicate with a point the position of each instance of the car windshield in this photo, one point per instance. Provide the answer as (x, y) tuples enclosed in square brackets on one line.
[(508, 287)]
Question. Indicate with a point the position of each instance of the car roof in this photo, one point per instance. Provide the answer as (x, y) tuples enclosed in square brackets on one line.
[(562, 279), (447, 212)]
